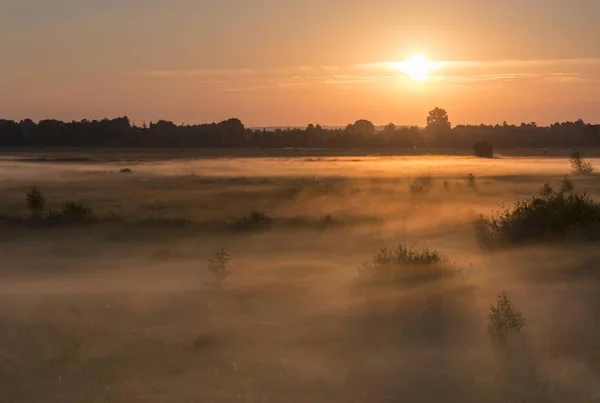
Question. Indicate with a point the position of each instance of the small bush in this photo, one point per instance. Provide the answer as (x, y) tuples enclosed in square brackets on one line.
[(405, 264), (504, 318), (566, 185), (36, 201), (218, 265), (483, 149), (76, 211), (126, 171), (421, 185), (254, 220), (158, 207), (579, 164), (471, 182), (552, 213), (328, 220)]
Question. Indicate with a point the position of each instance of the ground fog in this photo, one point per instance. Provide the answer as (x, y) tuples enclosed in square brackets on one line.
[(122, 306)]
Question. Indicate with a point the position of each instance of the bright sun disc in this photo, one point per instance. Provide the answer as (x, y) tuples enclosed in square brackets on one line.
[(417, 67)]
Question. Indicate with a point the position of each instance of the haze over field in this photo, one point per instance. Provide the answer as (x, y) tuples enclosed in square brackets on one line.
[(120, 305), (285, 201)]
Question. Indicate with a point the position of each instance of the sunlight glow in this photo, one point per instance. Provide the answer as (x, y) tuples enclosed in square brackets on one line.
[(417, 67)]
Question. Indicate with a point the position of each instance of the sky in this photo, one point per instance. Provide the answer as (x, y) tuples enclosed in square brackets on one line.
[(294, 62)]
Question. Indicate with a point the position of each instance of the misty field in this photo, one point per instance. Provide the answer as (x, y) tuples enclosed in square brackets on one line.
[(149, 277)]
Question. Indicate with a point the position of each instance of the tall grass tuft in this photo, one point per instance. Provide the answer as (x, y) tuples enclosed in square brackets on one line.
[(405, 264)]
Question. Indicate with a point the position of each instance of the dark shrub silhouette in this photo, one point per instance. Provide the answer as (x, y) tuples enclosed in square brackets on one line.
[(580, 165), (483, 149), (551, 214), (36, 202), (504, 318)]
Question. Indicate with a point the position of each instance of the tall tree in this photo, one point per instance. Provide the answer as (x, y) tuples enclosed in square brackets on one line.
[(361, 127), (437, 121)]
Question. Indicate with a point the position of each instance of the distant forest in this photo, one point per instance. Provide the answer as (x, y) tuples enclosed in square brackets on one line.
[(231, 133)]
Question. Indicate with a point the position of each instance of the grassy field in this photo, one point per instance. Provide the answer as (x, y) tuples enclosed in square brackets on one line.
[(122, 307)]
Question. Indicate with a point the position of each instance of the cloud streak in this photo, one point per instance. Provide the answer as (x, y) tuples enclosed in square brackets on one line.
[(381, 73)]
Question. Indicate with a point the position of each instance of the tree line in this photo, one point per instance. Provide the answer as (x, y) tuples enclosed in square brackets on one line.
[(232, 133)]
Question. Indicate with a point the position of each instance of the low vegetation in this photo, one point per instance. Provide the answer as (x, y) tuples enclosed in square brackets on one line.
[(71, 211), (550, 214), (76, 211), (504, 318), (405, 264), (218, 265), (446, 185), (471, 181), (36, 202), (421, 185), (253, 221), (158, 208)]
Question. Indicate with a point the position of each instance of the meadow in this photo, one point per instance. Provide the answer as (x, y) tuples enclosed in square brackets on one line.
[(122, 304)]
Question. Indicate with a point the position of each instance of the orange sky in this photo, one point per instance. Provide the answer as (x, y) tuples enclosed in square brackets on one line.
[(289, 62)]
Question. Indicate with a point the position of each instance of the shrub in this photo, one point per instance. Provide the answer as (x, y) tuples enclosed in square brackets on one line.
[(483, 149), (126, 171), (566, 185), (552, 213), (471, 181), (254, 220), (36, 201), (328, 220), (422, 185), (580, 166), (504, 318), (218, 265), (405, 265), (75, 211), (158, 207)]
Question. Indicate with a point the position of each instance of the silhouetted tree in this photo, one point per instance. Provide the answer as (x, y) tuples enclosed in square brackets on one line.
[(361, 127), (389, 129), (120, 132), (437, 121)]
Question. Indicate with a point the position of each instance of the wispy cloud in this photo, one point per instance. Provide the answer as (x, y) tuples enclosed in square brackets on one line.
[(187, 73), (448, 72)]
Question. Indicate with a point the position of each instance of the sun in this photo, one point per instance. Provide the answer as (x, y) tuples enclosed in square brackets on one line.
[(417, 67)]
